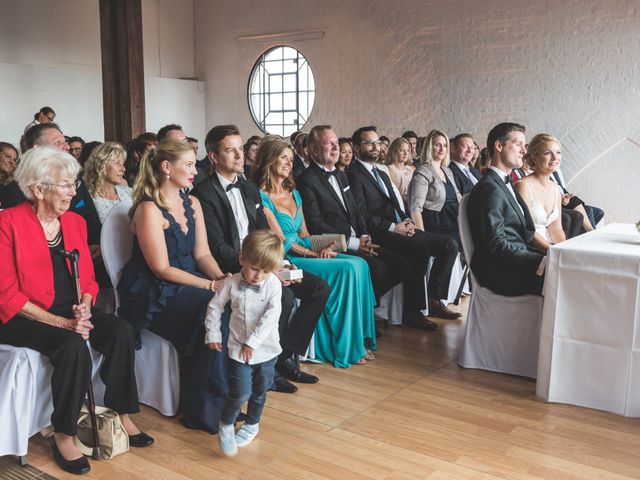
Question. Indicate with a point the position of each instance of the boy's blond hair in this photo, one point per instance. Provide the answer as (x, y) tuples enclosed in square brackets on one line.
[(263, 249)]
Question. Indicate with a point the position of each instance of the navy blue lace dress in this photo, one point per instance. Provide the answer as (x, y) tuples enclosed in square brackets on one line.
[(176, 313)]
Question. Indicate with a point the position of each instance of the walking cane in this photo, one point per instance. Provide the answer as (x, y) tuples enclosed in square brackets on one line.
[(73, 259)]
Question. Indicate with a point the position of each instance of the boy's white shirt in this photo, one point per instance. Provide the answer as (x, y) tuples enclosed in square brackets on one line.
[(254, 318)]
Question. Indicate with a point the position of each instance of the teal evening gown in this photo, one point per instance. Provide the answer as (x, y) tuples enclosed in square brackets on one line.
[(347, 319)]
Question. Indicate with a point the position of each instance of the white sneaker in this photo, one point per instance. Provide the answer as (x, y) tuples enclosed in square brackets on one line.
[(227, 440), (246, 434)]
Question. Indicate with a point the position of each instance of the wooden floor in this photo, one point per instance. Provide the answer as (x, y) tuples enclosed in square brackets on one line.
[(410, 414)]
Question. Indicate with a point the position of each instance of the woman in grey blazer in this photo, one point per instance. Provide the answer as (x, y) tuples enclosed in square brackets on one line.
[(433, 195)]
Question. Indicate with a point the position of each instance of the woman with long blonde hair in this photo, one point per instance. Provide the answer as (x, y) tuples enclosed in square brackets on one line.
[(400, 167), (172, 276)]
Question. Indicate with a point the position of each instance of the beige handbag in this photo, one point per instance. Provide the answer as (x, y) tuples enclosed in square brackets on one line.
[(112, 437), (320, 242)]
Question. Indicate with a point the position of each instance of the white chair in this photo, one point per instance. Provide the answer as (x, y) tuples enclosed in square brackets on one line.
[(503, 333), (392, 305), (25, 396), (157, 367)]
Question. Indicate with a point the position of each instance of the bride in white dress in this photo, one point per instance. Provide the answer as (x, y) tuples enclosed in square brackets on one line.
[(541, 194)]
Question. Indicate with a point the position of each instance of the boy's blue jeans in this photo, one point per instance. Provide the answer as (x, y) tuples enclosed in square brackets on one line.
[(247, 382)]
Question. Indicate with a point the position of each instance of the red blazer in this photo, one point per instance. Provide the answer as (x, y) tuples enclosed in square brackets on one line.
[(26, 273)]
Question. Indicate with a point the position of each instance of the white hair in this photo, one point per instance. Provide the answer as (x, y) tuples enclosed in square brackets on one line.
[(41, 165)]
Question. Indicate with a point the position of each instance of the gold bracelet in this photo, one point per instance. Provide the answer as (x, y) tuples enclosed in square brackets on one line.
[(212, 286)]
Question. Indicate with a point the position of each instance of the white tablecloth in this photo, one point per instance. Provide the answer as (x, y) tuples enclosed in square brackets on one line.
[(590, 337)]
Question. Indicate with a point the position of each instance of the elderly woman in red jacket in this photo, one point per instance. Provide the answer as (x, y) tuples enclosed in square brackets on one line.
[(39, 308)]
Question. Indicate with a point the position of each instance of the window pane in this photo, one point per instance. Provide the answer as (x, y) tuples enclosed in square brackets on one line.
[(281, 91)]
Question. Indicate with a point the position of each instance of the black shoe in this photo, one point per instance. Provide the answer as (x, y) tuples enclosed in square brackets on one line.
[(78, 466), (420, 322), (283, 385), (140, 440), (292, 372)]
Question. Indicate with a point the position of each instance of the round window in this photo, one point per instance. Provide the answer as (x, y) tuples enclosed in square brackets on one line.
[(281, 91)]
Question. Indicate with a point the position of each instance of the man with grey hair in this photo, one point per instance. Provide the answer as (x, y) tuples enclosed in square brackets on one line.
[(45, 134)]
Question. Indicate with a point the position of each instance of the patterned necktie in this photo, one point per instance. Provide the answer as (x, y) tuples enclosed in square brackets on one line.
[(244, 285)]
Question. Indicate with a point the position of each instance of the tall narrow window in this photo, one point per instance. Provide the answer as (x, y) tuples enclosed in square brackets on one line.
[(281, 91)]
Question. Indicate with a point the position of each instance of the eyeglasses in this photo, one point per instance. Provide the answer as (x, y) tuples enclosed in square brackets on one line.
[(371, 142), (66, 186)]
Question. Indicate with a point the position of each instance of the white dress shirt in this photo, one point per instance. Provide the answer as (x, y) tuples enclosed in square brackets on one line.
[(254, 318), (466, 170), (237, 205), (354, 242)]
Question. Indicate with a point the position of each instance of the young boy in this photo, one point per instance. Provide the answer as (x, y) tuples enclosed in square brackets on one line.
[(254, 343)]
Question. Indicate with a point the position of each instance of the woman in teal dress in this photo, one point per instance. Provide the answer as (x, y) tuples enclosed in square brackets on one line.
[(345, 333)]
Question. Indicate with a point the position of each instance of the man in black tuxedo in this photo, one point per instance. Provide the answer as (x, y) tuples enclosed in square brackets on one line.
[(232, 208), (465, 175), (500, 223), (329, 207), (393, 229)]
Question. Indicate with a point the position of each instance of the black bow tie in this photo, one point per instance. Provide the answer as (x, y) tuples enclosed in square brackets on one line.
[(507, 179), (244, 285), (330, 174), (231, 186)]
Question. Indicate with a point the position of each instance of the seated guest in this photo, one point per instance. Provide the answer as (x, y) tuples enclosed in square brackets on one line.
[(103, 177), (232, 209), (346, 154), (433, 195), (87, 148), (540, 193), (39, 308), (393, 229), (172, 276), (463, 149), (141, 144), (194, 143), (43, 116), (346, 331), (384, 149), (250, 151), (412, 137), (329, 207), (75, 147), (400, 166), (10, 193), (300, 163), (500, 223)]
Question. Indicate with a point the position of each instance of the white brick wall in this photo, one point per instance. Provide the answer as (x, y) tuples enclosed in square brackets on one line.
[(569, 68)]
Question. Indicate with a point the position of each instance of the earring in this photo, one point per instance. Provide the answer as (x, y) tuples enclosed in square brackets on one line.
[(168, 176)]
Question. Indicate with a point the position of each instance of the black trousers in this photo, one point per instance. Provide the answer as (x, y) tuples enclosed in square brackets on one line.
[(71, 360), (416, 250), (296, 331), (387, 269), (572, 221)]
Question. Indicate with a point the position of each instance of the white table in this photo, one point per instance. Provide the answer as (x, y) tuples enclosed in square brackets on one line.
[(590, 336)]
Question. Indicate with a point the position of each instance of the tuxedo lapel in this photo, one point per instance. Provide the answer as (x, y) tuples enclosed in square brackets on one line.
[(249, 206), (233, 227), (326, 185), (516, 202)]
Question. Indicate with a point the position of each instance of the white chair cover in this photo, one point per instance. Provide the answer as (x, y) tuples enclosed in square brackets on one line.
[(503, 333), (392, 305), (25, 397), (157, 367)]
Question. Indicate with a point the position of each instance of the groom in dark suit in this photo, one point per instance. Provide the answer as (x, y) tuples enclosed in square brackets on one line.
[(500, 223), (232, 208), (329, 207)]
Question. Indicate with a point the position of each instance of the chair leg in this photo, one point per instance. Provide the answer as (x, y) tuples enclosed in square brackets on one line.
[(22, 460), (465, 275)]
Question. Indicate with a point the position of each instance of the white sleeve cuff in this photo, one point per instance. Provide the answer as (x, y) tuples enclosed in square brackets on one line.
[(392, 227), (354, 243), (542, 266)]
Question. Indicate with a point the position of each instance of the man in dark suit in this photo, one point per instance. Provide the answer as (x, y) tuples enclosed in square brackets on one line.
[(232, 208), (393, 229), (300, 162), (329, 207), (500, 223), (465, 175)]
